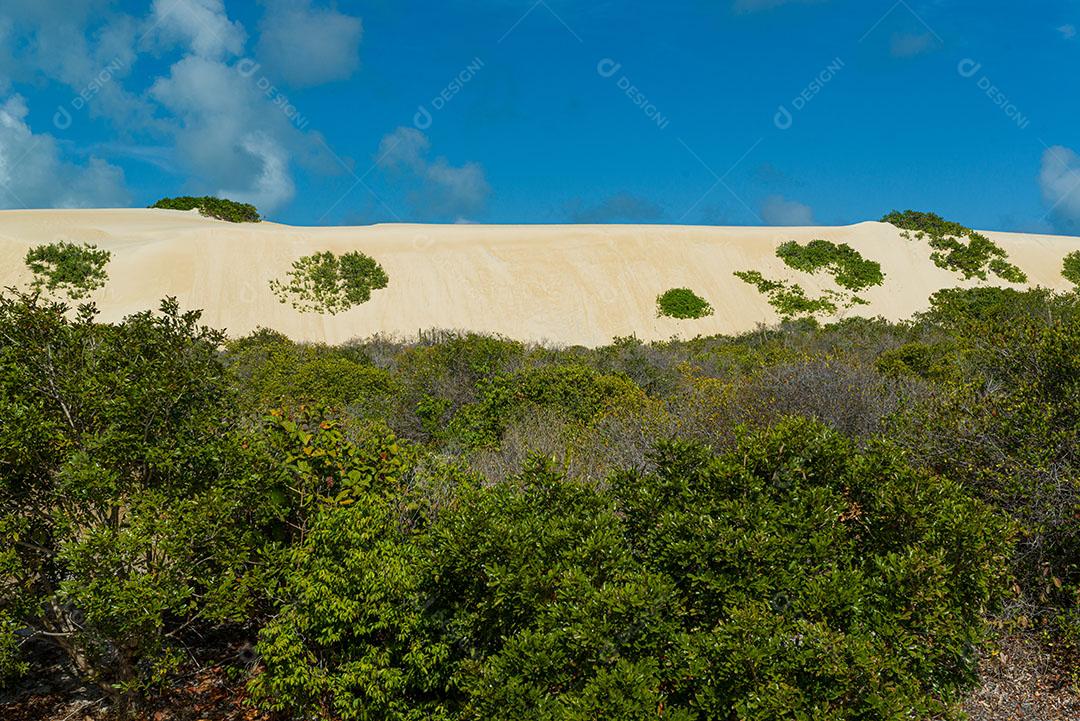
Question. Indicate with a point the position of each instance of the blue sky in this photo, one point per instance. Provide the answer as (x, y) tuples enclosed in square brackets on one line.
[(727, 112)]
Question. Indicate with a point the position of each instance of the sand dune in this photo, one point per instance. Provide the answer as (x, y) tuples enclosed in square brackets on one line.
[(568, 284)]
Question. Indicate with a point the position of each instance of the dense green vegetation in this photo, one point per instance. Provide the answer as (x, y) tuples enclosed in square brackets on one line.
[(845, 264), (69, 269), (805, 521), (973, 259), (327, 283), (1070, 267), (848, 268), (789, 300), (682, 303), (220, 208)]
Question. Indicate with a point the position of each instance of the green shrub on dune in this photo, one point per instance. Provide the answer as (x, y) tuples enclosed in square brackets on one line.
[(220, 208), (73, 270), (845, 264), (682, 303), (973, 259), (1070, 267), (327, 283)]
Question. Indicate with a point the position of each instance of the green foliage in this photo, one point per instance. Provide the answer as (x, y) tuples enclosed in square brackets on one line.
[(791, 577), (1009, 429), (220, 208), (467, 527), (270, 370), (74, 270), (125, 496), (344, 619), (925, 360), (1070, 267), (326, 283), (789, 300), (576, 393), (682, 303), (973, 259), (845, 264)]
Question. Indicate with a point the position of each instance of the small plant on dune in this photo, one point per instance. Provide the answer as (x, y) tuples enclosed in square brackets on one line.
[(845, 264), (791, 301), (326, 283), (220, 208), (74, 270), (682, 303), (1070, 267), (973, 259)]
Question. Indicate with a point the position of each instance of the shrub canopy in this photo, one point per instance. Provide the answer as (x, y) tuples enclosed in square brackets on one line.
[(73, 270), (220, 208), (791, 576), (1070, 268), (973, 259), (327, 283), (845, 264), (682, 303)]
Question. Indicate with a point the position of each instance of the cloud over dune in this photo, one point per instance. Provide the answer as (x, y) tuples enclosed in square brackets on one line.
[(441, 190), (1059, 180)]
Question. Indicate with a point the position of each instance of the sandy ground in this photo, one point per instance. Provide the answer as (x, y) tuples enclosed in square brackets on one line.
[(564, 284)]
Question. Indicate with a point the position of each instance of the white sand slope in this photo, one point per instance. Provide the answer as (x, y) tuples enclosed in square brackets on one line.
[(566, 284)]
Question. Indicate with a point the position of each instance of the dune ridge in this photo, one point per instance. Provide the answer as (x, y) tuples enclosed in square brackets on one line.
[(563, 284)]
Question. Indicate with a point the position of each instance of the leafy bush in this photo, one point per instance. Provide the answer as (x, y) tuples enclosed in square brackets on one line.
[(74, 270), (844, 263), (326, 283), (925, 360), (577, 392), (270, 371), (126, 511), (1070, 267), (220, 208), (789, 300), (973, 259), (1009, 429), (791, 576), (682, 303)]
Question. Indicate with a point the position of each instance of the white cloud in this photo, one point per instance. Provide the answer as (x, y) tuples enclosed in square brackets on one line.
[(228, 135), (777, 210), (404, 148), (202, 25), (907, 45), (442, 190), (455, 191), (33, 173), (81, 45), (305, 46), (273, 186), (1059, 181), (1068, 31)]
